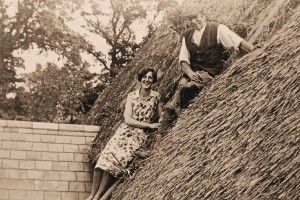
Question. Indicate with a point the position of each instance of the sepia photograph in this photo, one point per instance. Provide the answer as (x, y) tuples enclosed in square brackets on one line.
[(149, 99)]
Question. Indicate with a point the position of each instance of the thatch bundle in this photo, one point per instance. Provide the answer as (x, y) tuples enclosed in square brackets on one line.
[(240, 139)]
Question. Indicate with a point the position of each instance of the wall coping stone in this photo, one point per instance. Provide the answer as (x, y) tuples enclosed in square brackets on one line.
[(18, 124), (41, 125), (49, 126), (3, 123)]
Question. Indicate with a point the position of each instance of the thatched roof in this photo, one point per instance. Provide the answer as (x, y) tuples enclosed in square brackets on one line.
[(239, 139)]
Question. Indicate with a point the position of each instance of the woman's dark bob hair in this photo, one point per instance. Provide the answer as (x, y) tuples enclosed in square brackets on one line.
[(143, 72)]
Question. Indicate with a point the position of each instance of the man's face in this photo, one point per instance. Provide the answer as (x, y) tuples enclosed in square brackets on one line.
[(198, 22)]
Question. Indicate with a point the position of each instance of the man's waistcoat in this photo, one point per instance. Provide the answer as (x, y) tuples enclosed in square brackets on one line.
[(210, 55)]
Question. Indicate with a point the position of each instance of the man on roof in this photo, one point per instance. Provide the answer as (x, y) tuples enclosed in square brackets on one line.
[(203, 53)]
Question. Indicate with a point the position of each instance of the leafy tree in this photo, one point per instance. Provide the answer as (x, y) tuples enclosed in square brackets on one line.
[(58, 93), (40, 23), (118, 32)]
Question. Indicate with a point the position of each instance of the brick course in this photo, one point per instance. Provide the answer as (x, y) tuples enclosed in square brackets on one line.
[(44, 161), (17, 154)]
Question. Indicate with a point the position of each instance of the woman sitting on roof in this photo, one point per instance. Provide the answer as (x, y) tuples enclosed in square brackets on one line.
[(142, 109)]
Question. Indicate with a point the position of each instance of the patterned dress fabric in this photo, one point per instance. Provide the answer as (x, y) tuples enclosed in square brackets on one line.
[(119, 151)]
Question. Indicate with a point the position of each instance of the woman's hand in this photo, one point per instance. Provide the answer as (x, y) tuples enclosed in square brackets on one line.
[(154, 125), (143, 154)]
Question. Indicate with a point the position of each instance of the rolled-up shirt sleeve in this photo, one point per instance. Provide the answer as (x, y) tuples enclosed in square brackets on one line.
[(184, 54), (228, 38)]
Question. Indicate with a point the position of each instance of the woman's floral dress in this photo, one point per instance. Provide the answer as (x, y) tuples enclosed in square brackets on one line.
[(119, 151)]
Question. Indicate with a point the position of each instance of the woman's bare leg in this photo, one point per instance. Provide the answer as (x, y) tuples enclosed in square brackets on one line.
[(98, 173), (105, 181), (108, 193)]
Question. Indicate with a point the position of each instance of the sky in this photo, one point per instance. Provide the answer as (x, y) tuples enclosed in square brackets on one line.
[(33, 56)]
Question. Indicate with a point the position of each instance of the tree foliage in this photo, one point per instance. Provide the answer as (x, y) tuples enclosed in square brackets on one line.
[(118, 32), (41, 23), (58, 94)]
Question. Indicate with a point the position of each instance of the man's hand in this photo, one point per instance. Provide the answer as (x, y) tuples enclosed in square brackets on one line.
[(198, 77), (186, 68), (204, 76), (194, 77)]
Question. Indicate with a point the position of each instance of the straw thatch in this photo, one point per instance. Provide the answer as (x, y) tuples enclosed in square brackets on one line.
[(240, 138)]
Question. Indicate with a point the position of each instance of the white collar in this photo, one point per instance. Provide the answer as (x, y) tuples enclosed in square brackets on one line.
[(197, 35), (201, 30)]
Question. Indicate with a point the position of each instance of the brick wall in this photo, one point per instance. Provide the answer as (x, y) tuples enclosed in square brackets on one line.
[(44, 161)]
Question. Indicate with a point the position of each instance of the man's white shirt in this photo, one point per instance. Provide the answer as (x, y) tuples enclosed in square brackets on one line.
[(225, 36)]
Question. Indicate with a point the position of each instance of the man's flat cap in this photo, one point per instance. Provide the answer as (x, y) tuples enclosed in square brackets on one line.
[(191, 11)]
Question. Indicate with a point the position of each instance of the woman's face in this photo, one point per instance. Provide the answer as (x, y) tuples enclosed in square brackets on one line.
[(147, 80)]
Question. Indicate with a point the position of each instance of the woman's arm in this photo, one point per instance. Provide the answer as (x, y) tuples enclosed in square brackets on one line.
[(132, 122)]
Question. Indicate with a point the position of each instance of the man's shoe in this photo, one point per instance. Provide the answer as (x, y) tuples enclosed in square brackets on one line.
[(170, 112)]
